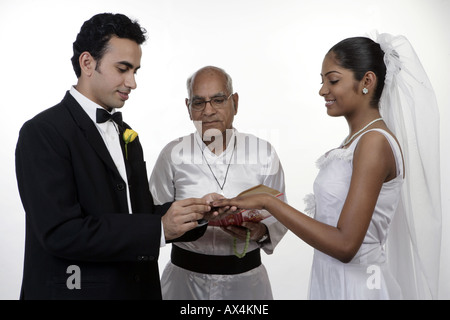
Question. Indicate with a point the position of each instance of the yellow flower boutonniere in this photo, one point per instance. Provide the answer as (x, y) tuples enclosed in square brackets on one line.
[(128, 136)]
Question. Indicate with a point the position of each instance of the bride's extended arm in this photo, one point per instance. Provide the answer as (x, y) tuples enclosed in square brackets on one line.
[(372, 165)]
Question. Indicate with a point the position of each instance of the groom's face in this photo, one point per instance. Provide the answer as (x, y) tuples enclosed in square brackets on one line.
[(114, 75)]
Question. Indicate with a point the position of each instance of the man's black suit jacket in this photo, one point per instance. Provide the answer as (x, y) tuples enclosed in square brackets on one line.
[(77, 214)]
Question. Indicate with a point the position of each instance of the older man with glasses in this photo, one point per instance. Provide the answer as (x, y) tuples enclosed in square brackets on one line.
[(225, 263)]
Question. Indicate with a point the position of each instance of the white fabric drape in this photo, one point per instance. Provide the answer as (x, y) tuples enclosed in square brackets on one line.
[(409, 108)]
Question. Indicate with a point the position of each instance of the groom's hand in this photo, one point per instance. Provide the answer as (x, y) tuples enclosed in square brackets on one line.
[(182, 216)]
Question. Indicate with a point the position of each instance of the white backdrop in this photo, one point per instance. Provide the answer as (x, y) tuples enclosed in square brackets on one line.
[(273, 49)]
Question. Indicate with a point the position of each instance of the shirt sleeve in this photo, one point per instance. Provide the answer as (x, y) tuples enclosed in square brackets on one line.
[(161, 180), (274, 178)]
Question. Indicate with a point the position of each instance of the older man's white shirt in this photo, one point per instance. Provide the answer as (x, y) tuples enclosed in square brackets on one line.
[(181, 172)]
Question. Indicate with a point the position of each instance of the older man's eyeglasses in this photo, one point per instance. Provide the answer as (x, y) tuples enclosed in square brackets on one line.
[(218, 102)]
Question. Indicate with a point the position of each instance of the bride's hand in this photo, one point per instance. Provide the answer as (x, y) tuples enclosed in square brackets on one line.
[(217, 213), (251, 201)]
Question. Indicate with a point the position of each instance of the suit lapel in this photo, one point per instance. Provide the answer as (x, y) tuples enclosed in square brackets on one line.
[(122, 145), (90, 130), (140, 196)]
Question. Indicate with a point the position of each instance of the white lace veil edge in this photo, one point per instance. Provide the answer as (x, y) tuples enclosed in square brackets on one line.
[(409, 108)]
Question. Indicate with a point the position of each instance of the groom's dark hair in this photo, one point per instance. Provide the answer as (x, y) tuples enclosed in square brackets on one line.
[(97, 31)]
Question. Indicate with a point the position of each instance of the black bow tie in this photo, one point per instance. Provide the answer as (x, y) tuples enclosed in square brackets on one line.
[(103, 116)]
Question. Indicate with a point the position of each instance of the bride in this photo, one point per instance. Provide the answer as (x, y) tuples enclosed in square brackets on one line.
[(383, 178)]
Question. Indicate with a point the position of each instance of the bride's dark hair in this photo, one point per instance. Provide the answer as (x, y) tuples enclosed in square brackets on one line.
[(361, 55)]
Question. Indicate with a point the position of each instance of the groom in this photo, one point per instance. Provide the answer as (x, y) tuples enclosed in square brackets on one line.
[(92, 230)]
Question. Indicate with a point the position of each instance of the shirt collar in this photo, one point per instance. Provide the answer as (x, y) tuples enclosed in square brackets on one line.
[(204, 148), (88, 105)]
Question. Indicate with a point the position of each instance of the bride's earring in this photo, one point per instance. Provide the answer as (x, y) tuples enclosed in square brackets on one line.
[(365, 91)]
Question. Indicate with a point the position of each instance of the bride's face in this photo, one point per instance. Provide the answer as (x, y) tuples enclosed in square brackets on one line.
[(339, 88)]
